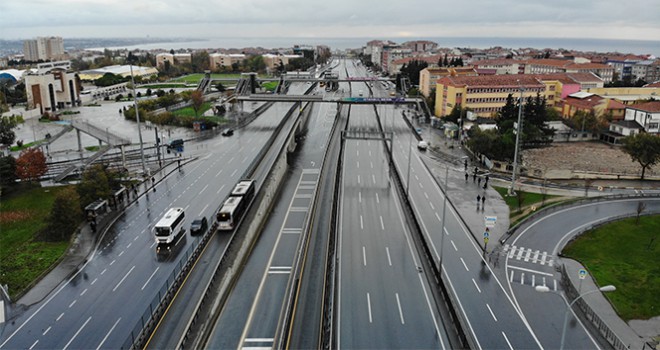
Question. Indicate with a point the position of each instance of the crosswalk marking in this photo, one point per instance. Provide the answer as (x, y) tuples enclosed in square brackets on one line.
[(528, 255)]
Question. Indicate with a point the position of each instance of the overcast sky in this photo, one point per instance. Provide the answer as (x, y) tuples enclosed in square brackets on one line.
[(602, 19)]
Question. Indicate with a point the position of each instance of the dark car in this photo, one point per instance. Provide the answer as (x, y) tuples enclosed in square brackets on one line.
[(198, 226), (228, 132)]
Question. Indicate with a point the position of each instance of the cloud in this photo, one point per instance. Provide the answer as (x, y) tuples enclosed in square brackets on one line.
[(636, 19)]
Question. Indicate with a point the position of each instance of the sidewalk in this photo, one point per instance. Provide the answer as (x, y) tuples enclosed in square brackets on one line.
[(462, 194)]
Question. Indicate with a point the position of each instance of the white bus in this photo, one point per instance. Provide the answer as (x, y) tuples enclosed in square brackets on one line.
[(231, 213), (170, 226)]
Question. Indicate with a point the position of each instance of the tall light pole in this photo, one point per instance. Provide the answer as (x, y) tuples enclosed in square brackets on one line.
[(544, 289), (409, 156), (515, 153), (444, 209), (137, 116)]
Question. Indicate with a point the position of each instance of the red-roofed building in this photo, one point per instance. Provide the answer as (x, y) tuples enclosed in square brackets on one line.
[(646, 114), (428, 76), (592, 104), (545, 66)]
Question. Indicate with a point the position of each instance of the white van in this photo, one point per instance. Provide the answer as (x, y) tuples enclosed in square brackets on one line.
[(422, 145)]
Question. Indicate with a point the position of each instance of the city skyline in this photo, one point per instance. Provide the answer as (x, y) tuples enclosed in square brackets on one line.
[(606, 19)]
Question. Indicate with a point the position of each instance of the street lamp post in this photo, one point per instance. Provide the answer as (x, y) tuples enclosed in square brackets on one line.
[(515, 153), (444, 209), (544, 289), (137, 117)]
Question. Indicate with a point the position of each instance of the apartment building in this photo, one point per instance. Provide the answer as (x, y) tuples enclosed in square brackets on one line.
[(177, 58), (218, 60), (50, 88), (501, 66), (545, 66), (44, 48), (420, 45), (645, 114), (273, 61), (430, 75)]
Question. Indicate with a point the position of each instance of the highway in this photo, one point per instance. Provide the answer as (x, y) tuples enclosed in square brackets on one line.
[(383, 299), (251, 314), (100, 305)]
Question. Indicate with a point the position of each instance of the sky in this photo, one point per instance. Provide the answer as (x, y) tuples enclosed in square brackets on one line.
[(599, 19)]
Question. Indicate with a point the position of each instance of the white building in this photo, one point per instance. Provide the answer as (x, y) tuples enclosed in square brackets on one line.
[(50, 88), (647, 115)]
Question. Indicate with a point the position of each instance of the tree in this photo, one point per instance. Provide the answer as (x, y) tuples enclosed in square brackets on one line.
[(7, 135), (31, 164), (643, 148), (7, 172), (197, 100), (93, 185), (65, 215)]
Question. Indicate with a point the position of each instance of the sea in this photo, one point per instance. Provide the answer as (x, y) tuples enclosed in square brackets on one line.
[(641, 47)]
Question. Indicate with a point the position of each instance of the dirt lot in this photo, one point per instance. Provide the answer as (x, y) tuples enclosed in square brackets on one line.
[(585, 156)]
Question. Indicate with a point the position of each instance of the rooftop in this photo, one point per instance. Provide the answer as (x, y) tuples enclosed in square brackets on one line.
[(650, 107), (525, 80)]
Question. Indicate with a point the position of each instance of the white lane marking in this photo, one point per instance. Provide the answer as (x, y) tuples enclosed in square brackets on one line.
[(201, 213), (78, 332), (432, 207), (460, 305), (112, 262), (203, 189), (58, 317), (511, 279), (530, 270), (377, 198), (425, 194), (218, 192), (438, 216), (34, 344), (233, 173), (464, 265), (122, 280), (150, 277), (358, 179), (372, 165), (361, 222), (364, 256), (369, 307), (398, 303), (83, 292), (507, 341), (555, 281), (382, 225), (143, 230), (73, 303), (389, 259), (491, 312), (121, 253), (373, 178), (258, 340), (218, 174), (453, 245), (533, 281), (47, 330), (522, 278), (360, 196), (477, 286), (129, 245), (358, 164), (108, 334)]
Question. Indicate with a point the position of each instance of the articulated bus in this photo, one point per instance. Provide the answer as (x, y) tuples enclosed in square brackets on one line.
[(236, 205), (170, 226)]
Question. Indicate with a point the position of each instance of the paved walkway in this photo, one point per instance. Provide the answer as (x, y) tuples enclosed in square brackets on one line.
[(462, 195)]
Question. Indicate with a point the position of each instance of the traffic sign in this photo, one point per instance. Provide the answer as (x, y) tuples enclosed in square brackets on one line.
[(490, 220), (582, 273), (486, 235)]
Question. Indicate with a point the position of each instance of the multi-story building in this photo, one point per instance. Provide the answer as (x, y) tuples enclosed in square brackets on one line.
[(273, 61), (645, 114), (622, 65), (645, 70), (592, 104), (218, 60), (44, 48), (51, 88), (428, 76), (484, 95), (545, 66), (161, 58), (501, 66), (420, 45)]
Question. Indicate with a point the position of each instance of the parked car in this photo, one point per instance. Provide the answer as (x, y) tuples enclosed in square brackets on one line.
[(199, 226), (422, 145), (228, 132)]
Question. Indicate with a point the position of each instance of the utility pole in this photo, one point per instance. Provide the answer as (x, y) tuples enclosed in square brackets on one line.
[(137, 116), (518, 129)]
